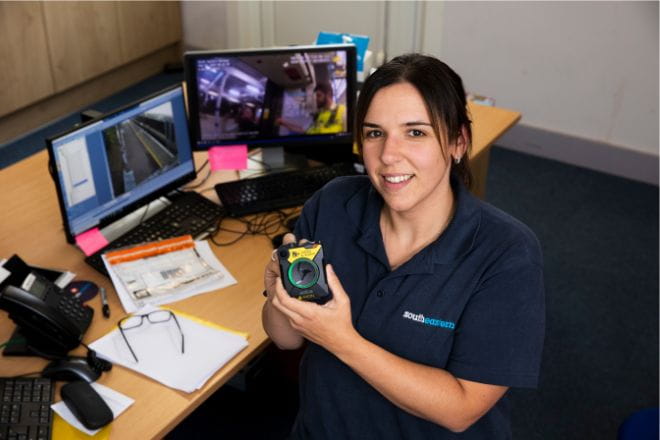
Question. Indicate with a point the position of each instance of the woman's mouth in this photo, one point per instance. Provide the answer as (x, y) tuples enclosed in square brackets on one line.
[(399, 178)]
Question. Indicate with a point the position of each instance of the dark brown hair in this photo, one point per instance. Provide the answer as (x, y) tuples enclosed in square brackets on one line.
[(442, 91)]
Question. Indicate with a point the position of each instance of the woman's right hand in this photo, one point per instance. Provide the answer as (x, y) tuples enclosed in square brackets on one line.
[(272, 272), (275, 323)]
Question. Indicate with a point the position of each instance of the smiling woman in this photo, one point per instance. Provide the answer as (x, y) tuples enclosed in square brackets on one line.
[(438, 302), (407, 164)]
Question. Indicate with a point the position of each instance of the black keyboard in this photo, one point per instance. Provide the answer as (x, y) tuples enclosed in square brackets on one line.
[(25, 408), (278, 190), (189, 213)]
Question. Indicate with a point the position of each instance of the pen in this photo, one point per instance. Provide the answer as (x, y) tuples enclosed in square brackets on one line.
[(104, 301)]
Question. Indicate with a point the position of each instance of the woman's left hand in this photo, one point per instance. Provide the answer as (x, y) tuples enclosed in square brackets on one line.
[(329, 325)]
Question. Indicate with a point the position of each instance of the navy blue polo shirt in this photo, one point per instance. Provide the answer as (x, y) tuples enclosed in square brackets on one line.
[(471, 303)]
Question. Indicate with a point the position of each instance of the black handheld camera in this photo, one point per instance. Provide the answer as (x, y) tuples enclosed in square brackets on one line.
[(303, 272)]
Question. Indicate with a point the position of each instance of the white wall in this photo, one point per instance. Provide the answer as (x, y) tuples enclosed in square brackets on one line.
[(585, 69), (234, 24), (204, 24), (588, 69)]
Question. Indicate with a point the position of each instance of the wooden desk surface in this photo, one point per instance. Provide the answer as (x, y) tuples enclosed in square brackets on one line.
[(31, 226), (488, 124)]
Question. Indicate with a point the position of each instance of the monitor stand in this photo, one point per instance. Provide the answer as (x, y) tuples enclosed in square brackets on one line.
[(272, 160), (274, 157)]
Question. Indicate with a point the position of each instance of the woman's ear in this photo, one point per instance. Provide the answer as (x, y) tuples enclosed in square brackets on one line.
[(460, 147)]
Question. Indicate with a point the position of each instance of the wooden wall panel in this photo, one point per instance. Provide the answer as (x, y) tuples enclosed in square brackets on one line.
[(147, 26), (82, 95), (25, 72), (83, 39), (88, 49)]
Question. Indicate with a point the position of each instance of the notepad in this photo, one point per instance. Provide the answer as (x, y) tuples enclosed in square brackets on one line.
[(158, 348)]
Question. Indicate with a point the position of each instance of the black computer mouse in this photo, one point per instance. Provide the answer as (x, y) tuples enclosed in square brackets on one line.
[(68, 370)]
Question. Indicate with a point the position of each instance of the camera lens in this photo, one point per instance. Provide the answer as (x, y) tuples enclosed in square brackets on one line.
[(303, 273)]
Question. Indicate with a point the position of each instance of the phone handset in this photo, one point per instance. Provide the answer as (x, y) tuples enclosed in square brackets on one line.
[(53, 319)]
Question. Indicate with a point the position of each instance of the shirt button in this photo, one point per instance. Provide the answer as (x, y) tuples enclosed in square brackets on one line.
[(379, 293)]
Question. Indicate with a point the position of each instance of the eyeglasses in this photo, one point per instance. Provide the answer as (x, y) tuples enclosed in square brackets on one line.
[(155, 317)]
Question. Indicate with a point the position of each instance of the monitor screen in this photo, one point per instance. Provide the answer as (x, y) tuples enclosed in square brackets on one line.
[(289, 96), (112, 165)]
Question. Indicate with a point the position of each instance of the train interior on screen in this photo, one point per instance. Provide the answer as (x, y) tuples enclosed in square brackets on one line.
[(244, 97), (141, 147)]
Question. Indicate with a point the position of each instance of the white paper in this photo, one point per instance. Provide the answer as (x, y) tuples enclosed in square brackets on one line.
[(204, 250), (158, 348), (4, 274), (115, 400), (64, 279)]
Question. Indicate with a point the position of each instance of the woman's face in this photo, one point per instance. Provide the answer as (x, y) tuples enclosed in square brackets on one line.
[(402, 155)]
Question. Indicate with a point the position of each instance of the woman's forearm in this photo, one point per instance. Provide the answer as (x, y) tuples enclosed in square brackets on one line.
[(277, 326), (427, 392)]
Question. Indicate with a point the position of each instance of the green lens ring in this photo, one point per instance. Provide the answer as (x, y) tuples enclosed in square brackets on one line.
[(295, 265)]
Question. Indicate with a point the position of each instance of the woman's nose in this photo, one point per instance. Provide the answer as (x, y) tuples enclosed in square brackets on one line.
[(391, 150)]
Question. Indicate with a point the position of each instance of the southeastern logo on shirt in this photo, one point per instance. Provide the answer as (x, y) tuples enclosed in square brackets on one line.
[(434, 322)]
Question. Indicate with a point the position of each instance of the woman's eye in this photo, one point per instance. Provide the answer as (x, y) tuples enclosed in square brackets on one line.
[(416, 133), (373, 134)]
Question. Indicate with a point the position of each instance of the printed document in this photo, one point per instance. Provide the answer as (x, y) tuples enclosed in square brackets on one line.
[(165, 271)]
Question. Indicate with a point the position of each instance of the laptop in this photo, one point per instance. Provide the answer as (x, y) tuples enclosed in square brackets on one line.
[(120, 162)]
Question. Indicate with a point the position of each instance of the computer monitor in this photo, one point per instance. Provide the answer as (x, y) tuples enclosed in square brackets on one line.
[(298, 97), (108, 167)]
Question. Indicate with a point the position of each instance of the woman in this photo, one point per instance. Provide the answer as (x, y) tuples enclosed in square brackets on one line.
[(438, 303)]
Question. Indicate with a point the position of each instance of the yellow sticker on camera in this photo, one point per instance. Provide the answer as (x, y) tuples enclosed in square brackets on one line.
[(303, 252)]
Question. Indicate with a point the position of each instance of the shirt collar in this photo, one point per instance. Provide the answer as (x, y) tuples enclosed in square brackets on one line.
[(363, 209), (457, 240)]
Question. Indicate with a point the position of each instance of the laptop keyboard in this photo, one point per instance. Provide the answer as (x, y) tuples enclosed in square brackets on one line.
[(25, 408), (188, 214)]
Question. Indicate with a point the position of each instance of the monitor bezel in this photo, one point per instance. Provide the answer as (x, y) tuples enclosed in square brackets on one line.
[(189, 177), (295, 142)]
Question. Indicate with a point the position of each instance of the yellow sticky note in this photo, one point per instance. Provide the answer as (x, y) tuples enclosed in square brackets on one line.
[(207, 323), (62, 430)]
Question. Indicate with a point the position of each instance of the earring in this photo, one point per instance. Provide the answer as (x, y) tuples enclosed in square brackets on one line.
[(457, 160)]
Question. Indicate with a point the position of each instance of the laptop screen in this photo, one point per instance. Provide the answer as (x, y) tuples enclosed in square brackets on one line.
[(114, 164)]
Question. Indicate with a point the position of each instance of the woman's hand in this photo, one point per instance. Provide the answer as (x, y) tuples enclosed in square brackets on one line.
[(272, 272), (275, 322), (329, 325)]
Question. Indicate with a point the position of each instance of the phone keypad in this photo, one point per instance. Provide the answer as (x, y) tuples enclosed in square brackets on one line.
[(73, 308)]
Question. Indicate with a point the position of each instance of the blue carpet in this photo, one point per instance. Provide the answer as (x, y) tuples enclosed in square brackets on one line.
[(599, 236)]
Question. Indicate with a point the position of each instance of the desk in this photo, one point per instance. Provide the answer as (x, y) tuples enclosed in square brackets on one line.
[(488, 124), (31, 226)]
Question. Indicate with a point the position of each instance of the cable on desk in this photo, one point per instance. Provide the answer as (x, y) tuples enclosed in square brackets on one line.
[(144, 214), (208, 174), (259, 224), (267, 224), (206, 162)]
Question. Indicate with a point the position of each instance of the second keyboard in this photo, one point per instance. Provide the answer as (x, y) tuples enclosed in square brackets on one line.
[(278, 190)]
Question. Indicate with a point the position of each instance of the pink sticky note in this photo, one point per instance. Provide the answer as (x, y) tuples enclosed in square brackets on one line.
[(228, 157), (91, 241)]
